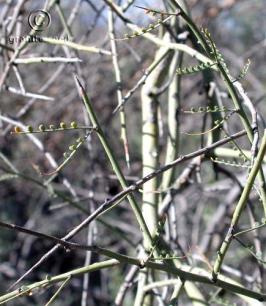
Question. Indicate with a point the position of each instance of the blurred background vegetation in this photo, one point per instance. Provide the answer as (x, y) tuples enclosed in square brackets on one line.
[(239, 30)]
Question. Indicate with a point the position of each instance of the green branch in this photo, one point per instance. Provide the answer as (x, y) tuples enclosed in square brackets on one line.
[(115, 166), (239, 208)]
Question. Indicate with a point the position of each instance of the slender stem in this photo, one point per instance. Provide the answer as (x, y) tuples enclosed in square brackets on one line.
[(239, 208), (89, 128), (250, 229), (231, 153), (182, 273), (118, 79), (26, 290), (58, 291), (115, 166), (63, 20), (43, 59), (142, 80), (70, 44)]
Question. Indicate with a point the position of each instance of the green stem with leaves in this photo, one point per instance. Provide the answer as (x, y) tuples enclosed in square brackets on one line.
[(231, 89)]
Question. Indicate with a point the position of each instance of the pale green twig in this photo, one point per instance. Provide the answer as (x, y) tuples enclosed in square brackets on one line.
[(58, 291), (51, 130), (43, 59), (70, 44), (173, 121), (28, 94), (228, 152), (118, 79), (239, 208), (250, 229)]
